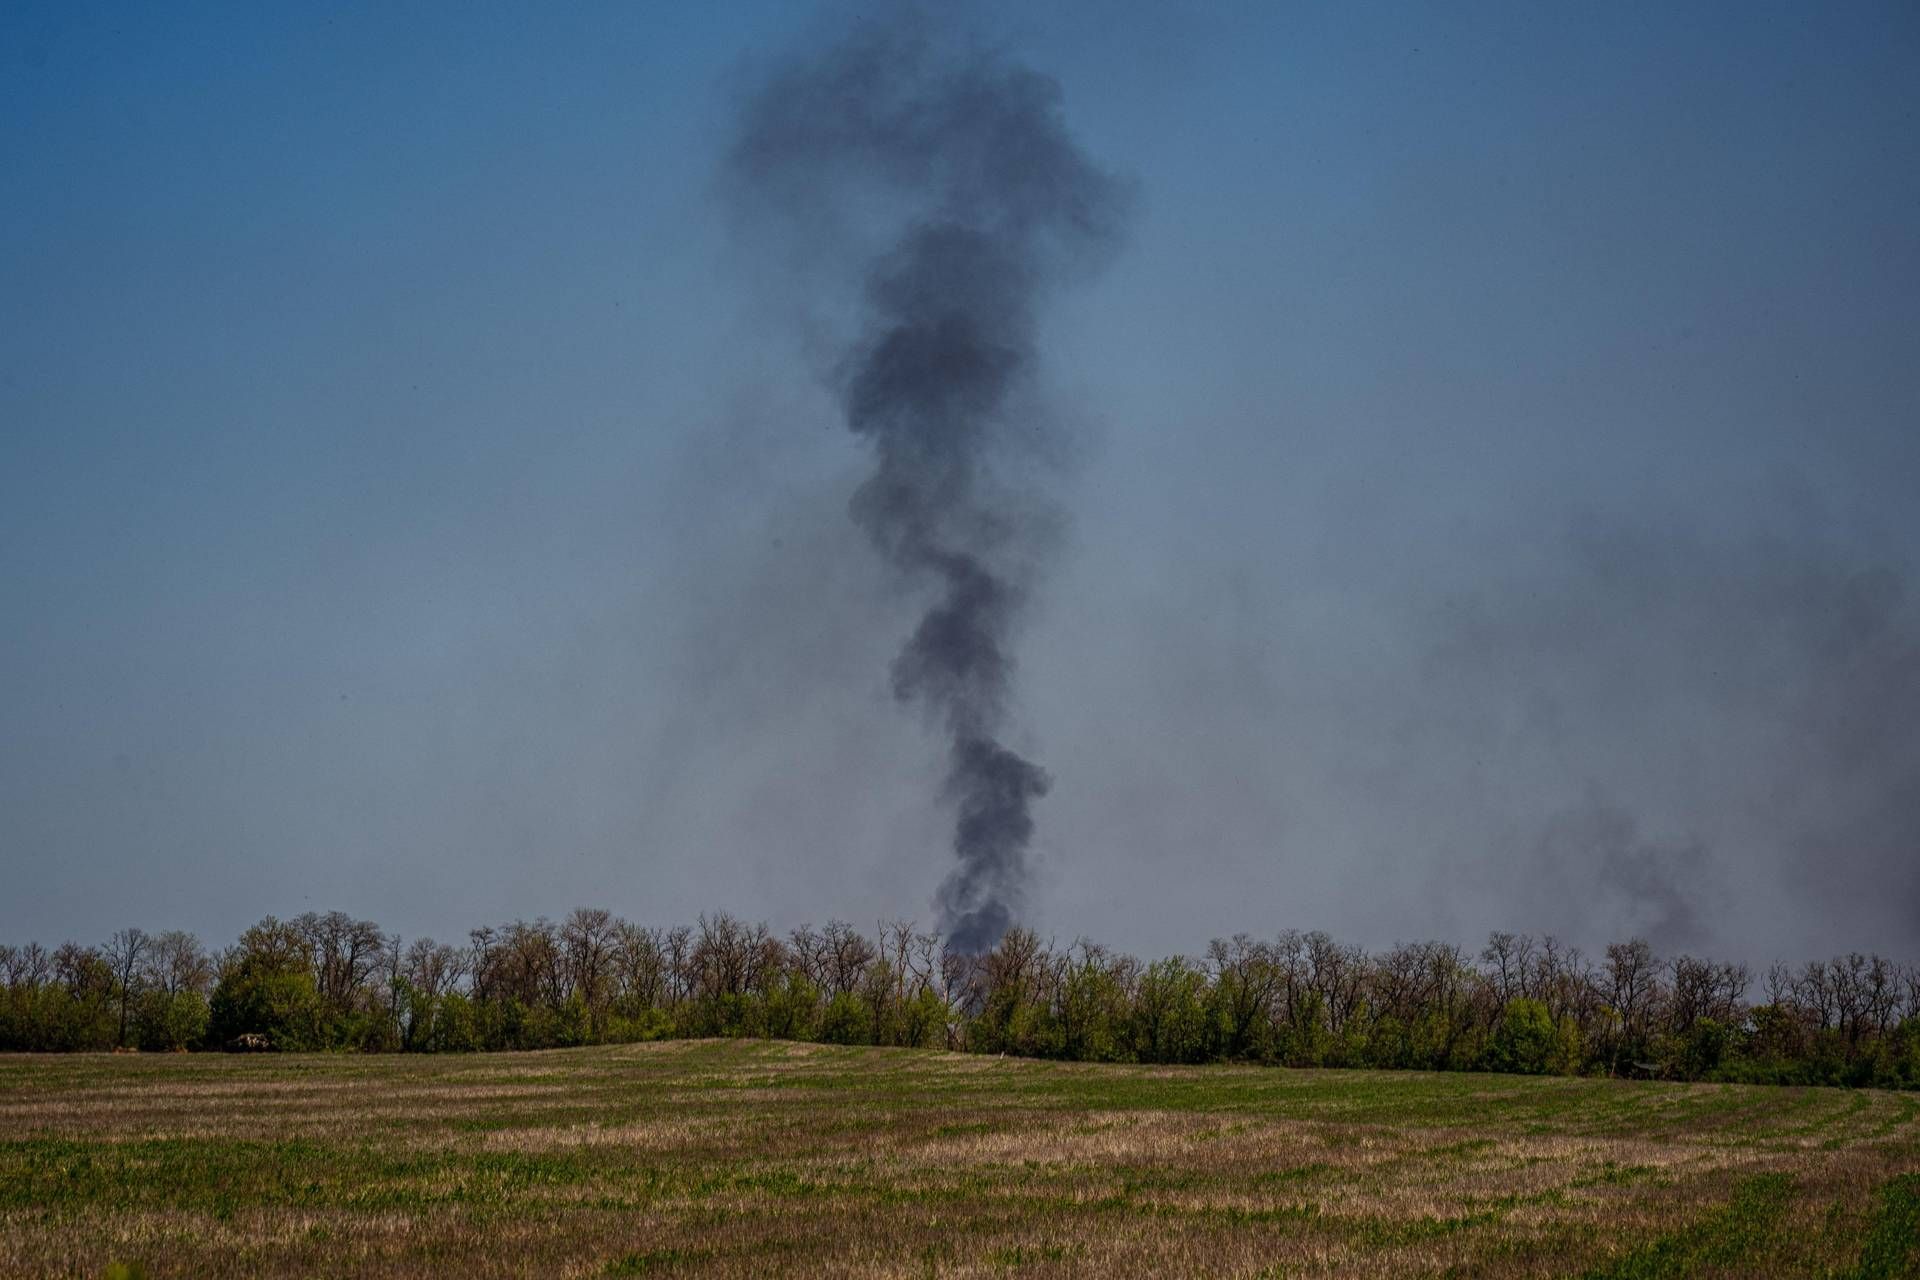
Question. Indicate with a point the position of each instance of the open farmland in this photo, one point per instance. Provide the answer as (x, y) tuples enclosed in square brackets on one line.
[(734, 1158)]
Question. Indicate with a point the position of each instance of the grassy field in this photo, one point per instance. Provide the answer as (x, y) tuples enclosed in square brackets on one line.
[(760, 1159)]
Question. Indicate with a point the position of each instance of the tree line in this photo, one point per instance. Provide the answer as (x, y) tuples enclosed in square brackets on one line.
[(327, 981)]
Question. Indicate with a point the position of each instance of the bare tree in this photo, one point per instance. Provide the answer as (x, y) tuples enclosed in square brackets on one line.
[(1695, 984), (847, 956), (1551, 974), (1815, 996), (1336, 975), (433, 968), (639, 966), (524, 963), (26, 967), (1509, 958), (809, 951), (1848, 978), (1882, 995), (677, 947), (345, 953), (84, 971), (590, 939), (126, 955), (1632, 977)]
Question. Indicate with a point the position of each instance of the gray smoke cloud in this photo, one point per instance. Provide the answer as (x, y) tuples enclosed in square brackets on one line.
[(942, 175), (1640, 888), (1736, 707)]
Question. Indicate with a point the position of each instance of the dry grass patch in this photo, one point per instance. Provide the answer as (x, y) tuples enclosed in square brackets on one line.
[(751, 1159)]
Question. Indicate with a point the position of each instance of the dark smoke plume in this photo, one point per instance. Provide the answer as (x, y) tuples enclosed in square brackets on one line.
[(954, 165)]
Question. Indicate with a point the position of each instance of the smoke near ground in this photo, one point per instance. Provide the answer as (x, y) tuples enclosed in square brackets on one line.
[(1757, 691), (940, 174), (1599, 726)]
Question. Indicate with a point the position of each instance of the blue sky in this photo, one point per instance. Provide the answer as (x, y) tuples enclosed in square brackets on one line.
[(1491, 481)]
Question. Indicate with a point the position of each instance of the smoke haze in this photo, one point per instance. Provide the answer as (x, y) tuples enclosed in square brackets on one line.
[(1491, 467)]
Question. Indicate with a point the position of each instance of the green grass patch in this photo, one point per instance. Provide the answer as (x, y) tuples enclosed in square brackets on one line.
[(654, 1261), (1743, 1229), (737, 1160), (1894, 1238)]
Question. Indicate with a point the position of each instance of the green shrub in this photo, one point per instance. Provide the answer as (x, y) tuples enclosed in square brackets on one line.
[(1526, 1041)]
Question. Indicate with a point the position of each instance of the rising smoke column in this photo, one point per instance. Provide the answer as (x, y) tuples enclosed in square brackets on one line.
[(951, 164)]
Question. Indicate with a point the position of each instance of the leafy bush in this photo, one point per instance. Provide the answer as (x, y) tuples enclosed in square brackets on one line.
[(1526, 1040)]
